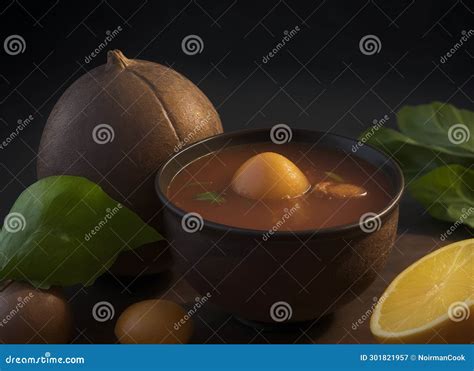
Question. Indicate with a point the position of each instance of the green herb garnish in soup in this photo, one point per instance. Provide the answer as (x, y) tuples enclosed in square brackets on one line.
[(334, 176), (212, 197)]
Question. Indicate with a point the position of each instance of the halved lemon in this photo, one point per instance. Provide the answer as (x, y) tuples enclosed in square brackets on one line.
[(432, 301)]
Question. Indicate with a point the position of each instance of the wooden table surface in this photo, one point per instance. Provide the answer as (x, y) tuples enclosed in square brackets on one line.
[(418, 234)]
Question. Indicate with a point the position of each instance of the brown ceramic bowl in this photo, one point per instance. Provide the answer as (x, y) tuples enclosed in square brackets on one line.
[(292, 276)]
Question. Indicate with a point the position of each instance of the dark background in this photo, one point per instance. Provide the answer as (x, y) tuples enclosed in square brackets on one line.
[(320, 80)]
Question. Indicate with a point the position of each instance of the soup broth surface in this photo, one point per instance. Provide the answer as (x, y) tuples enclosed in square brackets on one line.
[(204, 186)]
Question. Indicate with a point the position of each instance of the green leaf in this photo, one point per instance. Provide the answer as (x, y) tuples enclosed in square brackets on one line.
[(70, 233), (440, 126), (413, 157), (447, 193), (212, 197), (435, 150), (334, 176)]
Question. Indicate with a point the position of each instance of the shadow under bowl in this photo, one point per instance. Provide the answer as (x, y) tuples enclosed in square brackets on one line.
[(292, 276)]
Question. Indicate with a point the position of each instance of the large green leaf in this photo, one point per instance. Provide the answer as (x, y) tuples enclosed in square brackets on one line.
[(414, 158), (66, 230), (440, 126), (447, 193), (435, 150)]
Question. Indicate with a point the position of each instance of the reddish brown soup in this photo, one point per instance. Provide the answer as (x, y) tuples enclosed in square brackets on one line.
[(203, 186)]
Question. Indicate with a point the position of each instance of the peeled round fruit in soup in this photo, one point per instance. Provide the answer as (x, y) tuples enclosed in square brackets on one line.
[(269, 175)]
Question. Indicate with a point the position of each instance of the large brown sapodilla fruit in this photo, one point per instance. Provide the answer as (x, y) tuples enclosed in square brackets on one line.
[(115, 125)]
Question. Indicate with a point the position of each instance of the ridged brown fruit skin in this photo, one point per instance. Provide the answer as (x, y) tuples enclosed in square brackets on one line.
[(33, 316), (152, 109)]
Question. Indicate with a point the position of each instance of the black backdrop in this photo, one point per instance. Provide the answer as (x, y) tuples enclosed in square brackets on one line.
[(319, 80)]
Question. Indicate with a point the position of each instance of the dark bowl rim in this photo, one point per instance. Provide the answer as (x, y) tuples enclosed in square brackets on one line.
[(259, 232)]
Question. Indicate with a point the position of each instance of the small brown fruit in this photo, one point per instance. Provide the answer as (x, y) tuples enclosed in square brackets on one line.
[(154, 322), (30, 315)]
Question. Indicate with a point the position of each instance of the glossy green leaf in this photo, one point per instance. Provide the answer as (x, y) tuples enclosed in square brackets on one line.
[(447, 193), (414, 158), (66, 230), (435, 149), (440, 126)]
